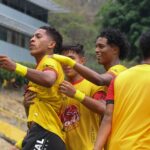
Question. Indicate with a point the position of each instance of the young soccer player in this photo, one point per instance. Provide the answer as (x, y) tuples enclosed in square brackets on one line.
[(74, 115), (127, 117), (45, 125), (80, 123)]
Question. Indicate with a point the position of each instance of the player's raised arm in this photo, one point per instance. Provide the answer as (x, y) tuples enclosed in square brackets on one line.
[(45, 78), (87, 73)]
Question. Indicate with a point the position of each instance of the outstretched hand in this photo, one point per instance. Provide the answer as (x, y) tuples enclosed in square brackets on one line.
[(7, 63), (14, 148), (64, 60)]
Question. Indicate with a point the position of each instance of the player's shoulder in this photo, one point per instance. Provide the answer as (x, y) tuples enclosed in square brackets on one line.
[(116, 69), (91, 85), (49, 60), (93, 88)]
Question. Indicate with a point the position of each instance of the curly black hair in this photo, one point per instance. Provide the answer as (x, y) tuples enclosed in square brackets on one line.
[(78, 48), (114, 36), (144, 44), (56, 36)]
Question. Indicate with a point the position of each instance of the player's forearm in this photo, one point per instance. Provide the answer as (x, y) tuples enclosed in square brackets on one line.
[(102, 137), (105, 128), (39, 77), (86, 72), (97, 106), (90, 75), (103, 134)]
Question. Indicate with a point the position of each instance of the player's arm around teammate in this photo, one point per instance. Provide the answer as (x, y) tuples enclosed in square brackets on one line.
[(68, 89), (106, 124), (111, 47)]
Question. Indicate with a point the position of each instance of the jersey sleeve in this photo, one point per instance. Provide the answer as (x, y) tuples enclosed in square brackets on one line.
[(98, 92), (110, 93), (50, 64), (100, 95)]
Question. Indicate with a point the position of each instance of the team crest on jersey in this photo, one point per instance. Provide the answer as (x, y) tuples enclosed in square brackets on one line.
[(70, 117)]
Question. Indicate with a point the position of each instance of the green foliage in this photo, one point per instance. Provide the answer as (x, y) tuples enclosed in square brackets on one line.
[(79, 33), (130, 63), (10, 79), (75, 29), (132, 17), (77, 26)]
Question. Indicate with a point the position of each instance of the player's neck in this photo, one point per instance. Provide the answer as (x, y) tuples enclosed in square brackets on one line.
[(50, 52), (75, 79), (39, 58), (114, 62)]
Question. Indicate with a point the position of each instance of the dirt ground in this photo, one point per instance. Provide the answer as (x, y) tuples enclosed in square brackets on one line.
[(11, 111), (4, 144)]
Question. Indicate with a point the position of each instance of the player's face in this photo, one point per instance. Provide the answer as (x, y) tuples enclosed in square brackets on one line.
[(39, 42), (104, 51), (70, 72)]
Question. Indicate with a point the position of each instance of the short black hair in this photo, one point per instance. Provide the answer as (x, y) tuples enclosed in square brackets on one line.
[(56, 36), (78, 48), (114, 36), (144, 44)]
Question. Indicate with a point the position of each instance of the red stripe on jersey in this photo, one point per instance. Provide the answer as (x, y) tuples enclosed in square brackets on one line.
[(51, 69), (110, 92), (78, 81)]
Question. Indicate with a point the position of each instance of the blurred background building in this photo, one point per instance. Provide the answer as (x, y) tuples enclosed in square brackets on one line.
[(18, 20)]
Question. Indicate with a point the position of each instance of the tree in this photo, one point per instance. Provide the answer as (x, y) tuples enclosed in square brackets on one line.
[(77, 26), (132, 17), (75, 29)]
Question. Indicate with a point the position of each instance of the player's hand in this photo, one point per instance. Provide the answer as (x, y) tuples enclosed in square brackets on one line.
[(28, 98), (7, 63), (64, 60), (14, 148), (67, 89)]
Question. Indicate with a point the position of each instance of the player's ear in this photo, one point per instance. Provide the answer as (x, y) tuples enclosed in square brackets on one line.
[(51, 45), (82, 60), (115, 49)]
